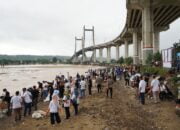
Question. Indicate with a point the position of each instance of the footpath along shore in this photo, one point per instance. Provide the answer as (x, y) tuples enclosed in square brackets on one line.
[(97, 112)]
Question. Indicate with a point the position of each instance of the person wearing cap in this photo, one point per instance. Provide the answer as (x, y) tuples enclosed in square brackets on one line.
[(54, 109)]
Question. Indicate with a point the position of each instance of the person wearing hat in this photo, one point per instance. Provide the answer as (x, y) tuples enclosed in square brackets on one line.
[(54, 109)]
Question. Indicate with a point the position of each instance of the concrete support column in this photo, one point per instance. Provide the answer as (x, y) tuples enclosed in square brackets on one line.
[(101, 55), (83, 45), (108, 54), (94, 55), (83, 52), (156, 42), (117, 52), (147, 29), (135, 47), (140, 50), (126, 49)]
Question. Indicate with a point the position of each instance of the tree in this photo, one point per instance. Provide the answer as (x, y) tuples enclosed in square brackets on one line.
[(121, 60), (129, 60), (54, 60), (149, 59), (157, 56), (113, 61)]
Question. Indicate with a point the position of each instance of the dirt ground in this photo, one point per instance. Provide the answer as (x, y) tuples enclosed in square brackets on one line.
[(97, 112)]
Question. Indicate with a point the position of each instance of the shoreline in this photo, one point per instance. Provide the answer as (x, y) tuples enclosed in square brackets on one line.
[(15, 77), (100, 113)]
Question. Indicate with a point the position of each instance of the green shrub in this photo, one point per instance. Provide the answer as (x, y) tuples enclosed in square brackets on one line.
[(121, 60), (154, 70), (149, 59), (157, 56), (129, 60)]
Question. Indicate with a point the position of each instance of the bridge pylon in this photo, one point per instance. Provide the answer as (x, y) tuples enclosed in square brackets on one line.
[(93, 40)]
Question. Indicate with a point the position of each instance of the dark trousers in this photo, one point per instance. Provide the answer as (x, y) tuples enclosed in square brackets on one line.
[(17, 114), (9, 109), (67, 112), (89, 88), (162, 95), (27, 107), (75, 105), (111, 92), (127, 82), (142, 98), (55, 117), (99, 88), (61, 92), (35, 102)]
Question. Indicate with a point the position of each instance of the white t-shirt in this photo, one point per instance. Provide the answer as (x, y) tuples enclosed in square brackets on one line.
[(16, 102), (83, 84), (54, 107), (142, 86), (155, 85), (27, 97), (162, 88), (67, 102)]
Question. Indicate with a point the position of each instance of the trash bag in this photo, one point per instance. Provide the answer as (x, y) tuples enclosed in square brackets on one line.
[(47, 98), (38, 114)]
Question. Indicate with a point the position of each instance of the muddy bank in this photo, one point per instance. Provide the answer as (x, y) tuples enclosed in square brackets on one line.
[(97, 112)]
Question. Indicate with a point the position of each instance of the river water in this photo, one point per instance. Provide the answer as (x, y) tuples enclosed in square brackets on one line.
[(17, 77)]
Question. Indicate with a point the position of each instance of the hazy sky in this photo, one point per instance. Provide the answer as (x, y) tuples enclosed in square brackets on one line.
[(48, 27)]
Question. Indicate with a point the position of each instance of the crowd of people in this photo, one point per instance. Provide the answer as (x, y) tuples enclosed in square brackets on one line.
[(60, 93), (66, 91), (150, 86)]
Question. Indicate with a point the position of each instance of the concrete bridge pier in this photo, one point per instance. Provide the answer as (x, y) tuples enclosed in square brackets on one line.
[(101, 55), (83, 53), (94, 55), (156, 41), (147, 30), (117, 52), (135, 47), (140, 47), (108, 54), (126, 49)]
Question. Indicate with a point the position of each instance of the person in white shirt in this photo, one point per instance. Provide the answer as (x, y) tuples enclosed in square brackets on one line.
[(83, 87), (66, 104), (54, 108), (142, 89), (155, 89), (16, 104), (27, 99)]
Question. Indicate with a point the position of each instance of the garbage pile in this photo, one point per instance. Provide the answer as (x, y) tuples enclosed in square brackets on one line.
[(38, 114)]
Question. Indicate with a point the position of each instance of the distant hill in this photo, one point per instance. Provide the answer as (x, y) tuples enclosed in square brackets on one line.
[(32, 59)]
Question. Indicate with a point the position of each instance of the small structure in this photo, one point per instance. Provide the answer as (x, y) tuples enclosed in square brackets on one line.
[(171, 57)]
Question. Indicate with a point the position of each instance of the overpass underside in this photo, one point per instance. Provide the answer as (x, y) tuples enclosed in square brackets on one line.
[(145, 20)]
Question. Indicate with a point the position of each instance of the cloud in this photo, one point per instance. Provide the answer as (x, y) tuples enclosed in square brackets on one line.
[(49, 26)]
